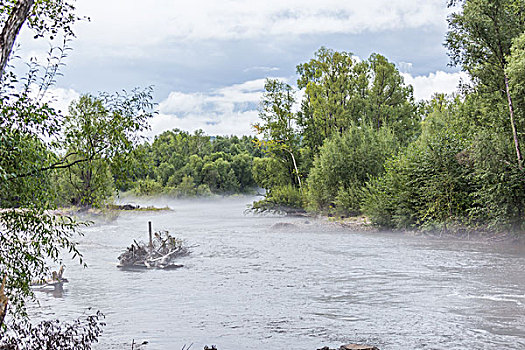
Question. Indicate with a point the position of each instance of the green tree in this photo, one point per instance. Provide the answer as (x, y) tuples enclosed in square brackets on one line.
[(219, 176), (429, 183), (31, 236), (344, 164), (270, 172), (242, 166), (277, 127), (479, 39), (46, 18), (335, 88), (499, 195), (341, 91), (100, 133), (390, 103), (516, 72)]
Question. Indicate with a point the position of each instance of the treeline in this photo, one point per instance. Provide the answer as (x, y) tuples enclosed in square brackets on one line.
[(178, 163), (360, 144)]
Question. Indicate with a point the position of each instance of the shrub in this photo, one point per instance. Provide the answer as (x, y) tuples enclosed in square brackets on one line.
[(280, 199), (344, 164), (147, 187)]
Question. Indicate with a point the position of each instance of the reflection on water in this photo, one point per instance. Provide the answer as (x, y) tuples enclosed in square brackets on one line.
[(55, 291), (256, 282)]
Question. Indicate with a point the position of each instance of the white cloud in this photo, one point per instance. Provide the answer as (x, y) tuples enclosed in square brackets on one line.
[(239, 123), (125, 25), (439, 82), (233, 109), (261, 69), (60, 98), (405, 67), (224, 111)]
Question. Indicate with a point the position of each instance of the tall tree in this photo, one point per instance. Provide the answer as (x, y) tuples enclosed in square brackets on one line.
[(480, 39), (389, 100), (101, 132), (335, 85), (278, 125), (43, 17), (341, 91), (30, 237)]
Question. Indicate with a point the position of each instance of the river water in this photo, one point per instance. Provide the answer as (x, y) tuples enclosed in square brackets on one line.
[(271, 282)]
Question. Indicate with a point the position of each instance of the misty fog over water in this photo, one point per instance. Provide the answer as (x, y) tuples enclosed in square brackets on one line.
[(274, 282)]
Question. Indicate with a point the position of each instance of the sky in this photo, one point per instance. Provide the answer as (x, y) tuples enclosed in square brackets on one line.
[(207, 60)]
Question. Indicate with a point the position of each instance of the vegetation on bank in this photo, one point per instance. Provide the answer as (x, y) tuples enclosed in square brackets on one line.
[(360, 145), (181, 164)]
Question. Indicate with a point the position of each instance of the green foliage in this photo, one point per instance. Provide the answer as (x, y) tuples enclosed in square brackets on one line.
[(270, 172), (241, 165), (341, 92), (456, 173), (100, 134), (286, 198), (479, 39), (429, 183), (454, 166), (343, 166), (220, 177), (279, 137), (516, 71), (47, 18), (214, 164), (31, 236), (500, 194), (275, 112), (87, 185), (147, 187), (80, 334)]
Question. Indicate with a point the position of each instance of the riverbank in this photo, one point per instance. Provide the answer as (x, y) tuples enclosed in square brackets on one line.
[(359, 223), (456, 232)]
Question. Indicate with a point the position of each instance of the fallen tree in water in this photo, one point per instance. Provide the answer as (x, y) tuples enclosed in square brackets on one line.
[(55, 282), (159, 253)]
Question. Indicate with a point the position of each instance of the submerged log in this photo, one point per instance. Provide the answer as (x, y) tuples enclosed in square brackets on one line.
[(357, 347), (158, 253), (55, 282), (352, 347)]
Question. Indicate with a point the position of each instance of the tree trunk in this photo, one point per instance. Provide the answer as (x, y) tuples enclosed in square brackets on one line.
[(296, 170), (513, 124), (12, 27), (3, 302)]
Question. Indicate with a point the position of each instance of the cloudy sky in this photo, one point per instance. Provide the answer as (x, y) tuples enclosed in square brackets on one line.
[(207, 59)]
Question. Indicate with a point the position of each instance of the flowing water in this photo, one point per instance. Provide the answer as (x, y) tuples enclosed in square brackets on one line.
[(270, 282)]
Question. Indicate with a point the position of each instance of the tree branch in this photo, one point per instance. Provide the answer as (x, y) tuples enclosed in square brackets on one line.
[(58, 165), (12, 27)]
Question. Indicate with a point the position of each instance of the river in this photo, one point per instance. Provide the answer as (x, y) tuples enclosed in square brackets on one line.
[(271, 282)]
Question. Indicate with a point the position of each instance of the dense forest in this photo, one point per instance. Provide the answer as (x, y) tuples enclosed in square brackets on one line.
[(358, 144)]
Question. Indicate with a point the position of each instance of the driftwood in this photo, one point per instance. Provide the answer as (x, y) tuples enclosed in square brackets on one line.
[(160, 253), (353, 347), (55, 282)]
